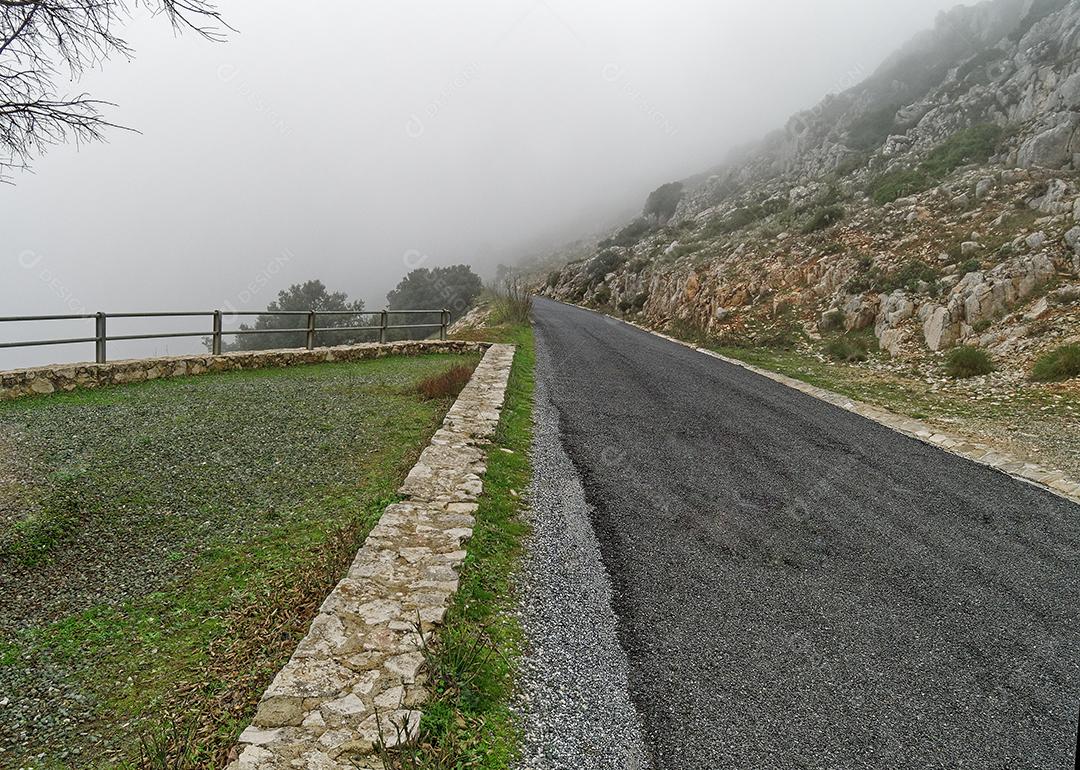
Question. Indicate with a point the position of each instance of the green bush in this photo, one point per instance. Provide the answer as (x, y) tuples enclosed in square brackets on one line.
[(965, 361), (850, 164), (972, 145), (909, 276), (1062, 363), (736, 220), (873, 128), (605, 262), (822, 217), (629, 235), (971, 265), (899, 184), (663, 201), (847, 349)]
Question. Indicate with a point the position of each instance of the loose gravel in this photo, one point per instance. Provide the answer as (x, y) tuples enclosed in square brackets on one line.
[(574, 700)]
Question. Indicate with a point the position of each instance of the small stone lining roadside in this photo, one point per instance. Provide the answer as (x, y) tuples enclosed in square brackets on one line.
[(43, 380), (1052, 480), (358, 677)]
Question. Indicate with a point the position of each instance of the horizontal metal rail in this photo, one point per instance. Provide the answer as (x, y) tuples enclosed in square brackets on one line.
[(310, 330)]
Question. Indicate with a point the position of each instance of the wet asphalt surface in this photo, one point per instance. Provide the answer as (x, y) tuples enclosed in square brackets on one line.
[(798, 587)]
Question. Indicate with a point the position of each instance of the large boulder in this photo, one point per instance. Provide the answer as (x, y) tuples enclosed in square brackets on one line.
[(894, 310), (1052, 147), (940, 329), (859, 312)]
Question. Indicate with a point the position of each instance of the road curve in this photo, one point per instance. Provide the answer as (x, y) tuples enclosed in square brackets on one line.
[(799, 587)]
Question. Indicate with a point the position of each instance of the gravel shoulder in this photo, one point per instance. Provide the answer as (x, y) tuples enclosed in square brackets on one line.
[(574, 699)]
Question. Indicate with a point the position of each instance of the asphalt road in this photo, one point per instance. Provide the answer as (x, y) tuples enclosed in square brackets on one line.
[(798, 587)]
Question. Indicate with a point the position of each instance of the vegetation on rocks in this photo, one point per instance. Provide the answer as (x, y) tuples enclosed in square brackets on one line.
[(971, 145)]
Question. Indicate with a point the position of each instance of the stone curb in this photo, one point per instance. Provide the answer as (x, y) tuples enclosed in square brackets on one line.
[(42, 380), (359, 675), (1050, 480)]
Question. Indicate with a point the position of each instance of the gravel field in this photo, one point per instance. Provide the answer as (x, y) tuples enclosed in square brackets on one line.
[(137, 507), (574, 698)]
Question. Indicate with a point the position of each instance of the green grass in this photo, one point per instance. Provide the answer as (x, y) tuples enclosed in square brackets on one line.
[(1062, 363), (469, 724), (238, 499), (971, 145), (900, 393)]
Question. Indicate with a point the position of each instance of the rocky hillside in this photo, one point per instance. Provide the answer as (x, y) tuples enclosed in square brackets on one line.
[(935, 204)]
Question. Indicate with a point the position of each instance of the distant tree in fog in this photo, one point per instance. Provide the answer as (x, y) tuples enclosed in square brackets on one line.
[(310, 295), (662, 201), (454, 288), (44, 43)]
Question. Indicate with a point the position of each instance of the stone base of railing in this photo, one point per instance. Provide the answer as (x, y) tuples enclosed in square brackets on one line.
[(66, 377), (358, 680)]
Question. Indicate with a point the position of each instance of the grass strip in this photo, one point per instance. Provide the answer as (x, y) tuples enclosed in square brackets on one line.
[(469, 723)]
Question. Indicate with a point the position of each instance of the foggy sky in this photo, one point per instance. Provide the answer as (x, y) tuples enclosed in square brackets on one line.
[(351, 142)]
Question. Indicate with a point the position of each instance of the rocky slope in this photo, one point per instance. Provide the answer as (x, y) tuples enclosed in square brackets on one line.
[(935, 204)]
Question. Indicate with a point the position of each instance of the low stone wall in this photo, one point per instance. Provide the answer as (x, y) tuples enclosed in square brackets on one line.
[(358, 677), (42, 380)]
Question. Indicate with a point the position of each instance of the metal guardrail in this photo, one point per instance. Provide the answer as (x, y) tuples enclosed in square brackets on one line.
[(310, 331)]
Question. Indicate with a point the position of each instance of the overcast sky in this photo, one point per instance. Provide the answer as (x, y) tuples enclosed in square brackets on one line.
[(350, 141)]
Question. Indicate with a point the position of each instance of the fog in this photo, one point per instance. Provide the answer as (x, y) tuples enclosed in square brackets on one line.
[(352, 142)]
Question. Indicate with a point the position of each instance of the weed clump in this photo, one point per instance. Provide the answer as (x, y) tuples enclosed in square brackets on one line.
[(446, 384), (847, 349), (966, 361), (1062, 363)]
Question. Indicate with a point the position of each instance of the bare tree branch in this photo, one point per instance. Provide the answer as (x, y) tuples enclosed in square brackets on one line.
[(42, 41)]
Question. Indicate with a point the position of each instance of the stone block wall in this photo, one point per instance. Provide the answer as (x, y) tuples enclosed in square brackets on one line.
[(43, 380), (359, 676)]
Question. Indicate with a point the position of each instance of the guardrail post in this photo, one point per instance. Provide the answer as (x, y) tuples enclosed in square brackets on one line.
[(217, 333), (99, 338), (310, 329), (444, 322), (383, 320)]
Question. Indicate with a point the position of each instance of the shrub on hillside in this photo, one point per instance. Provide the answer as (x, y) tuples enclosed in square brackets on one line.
[(630, 234), (822, 217), (965, 361), (870, 130), (847, 349), (1062, 363), (736, 220), (909, 275), (603, 263), (972, 145), (663, 201), (898, 184)]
